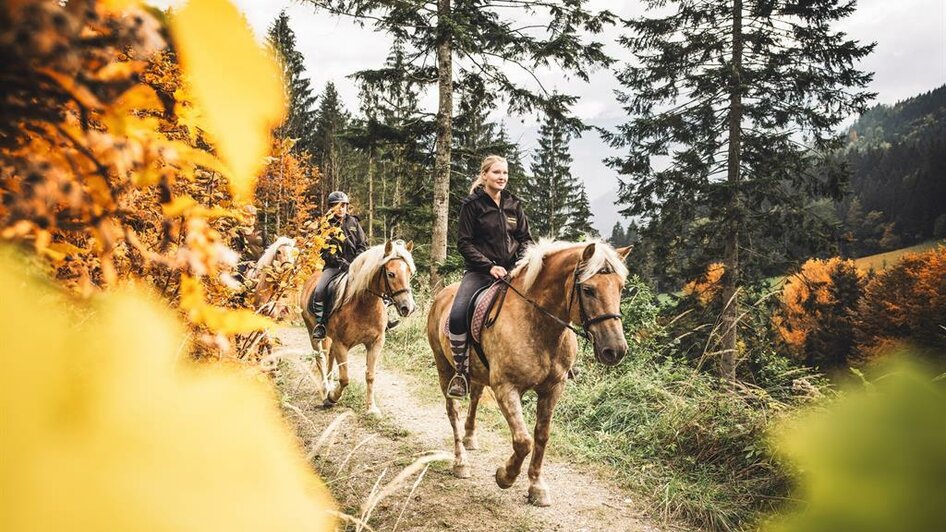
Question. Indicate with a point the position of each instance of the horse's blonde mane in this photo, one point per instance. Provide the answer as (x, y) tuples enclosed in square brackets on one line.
[(269, 255), (604, 256), (366, 266)]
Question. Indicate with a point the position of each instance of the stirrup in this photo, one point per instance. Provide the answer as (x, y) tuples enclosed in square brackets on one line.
[(454, 390), (318, 332)]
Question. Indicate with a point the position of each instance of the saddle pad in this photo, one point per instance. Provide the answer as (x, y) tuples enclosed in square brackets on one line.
[(480, 308)]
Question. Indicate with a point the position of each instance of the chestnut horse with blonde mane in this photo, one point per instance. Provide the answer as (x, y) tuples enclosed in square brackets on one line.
[(531, 345), (382, 273)]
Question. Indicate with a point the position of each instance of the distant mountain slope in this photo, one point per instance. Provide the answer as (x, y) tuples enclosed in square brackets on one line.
[(606, 212), (898, 157)]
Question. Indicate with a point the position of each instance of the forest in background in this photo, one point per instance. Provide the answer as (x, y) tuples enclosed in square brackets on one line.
[(118, 167)]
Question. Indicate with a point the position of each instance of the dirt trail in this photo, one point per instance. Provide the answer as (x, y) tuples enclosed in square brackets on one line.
[(413, 423)]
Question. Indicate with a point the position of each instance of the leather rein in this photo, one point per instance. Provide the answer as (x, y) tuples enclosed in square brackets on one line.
[(586, 322)]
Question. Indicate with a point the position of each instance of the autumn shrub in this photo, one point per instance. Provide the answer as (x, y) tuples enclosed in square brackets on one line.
[(123, 158), (905, 303), (816, 316)]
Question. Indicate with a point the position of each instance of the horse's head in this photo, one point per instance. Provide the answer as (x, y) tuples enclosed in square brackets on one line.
[(596, 303), (396, 272), (286, 252)]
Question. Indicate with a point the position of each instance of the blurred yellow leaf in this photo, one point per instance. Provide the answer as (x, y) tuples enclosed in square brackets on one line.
[(107, 425), (873, 461), (178, 206), (217, 319), (235, 83)]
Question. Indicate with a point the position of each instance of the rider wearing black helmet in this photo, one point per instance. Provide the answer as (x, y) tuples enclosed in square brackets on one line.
[(337, 255)]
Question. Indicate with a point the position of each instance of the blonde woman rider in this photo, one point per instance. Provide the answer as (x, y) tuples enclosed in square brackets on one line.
[(492, 236)]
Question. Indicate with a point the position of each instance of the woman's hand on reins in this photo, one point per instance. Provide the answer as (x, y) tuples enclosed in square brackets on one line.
[(498, 272)]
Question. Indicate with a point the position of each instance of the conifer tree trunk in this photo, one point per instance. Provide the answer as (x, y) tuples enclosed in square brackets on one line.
[(730, 337), (438, 249), (370, 195)]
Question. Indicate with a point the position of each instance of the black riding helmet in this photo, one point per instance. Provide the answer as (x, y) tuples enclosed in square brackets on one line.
[(337, 197)]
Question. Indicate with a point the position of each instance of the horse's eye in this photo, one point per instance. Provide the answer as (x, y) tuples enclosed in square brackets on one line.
[(391, 274), (588, 290)]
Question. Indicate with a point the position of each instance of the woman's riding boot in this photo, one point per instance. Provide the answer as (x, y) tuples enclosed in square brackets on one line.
[(318, 332), (459, 387)]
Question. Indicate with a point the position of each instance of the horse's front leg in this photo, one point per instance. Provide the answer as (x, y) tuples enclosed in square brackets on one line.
[(510, 403), (339, 354), (469, 439), (538, 491), (371, 363)]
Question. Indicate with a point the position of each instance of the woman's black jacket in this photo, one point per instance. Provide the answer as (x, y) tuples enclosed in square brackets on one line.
[(345, 250), (488, 235)]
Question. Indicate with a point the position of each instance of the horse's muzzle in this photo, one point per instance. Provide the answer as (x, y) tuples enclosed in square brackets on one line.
[(405, 308), (611, 356)]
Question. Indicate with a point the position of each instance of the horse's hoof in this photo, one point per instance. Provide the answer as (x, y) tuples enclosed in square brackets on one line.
[(374, 411), (328, 403), (461, 471), (471, 443), (501, 479), (539, 496)]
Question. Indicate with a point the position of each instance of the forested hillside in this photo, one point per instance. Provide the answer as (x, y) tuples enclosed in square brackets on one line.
[(897, 158)]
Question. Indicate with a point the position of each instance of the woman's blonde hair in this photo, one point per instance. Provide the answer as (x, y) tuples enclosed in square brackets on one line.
[(487, 163)]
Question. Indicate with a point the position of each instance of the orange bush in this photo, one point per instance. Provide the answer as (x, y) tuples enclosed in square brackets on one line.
[(815, 318), (707, 287), (906, 302)]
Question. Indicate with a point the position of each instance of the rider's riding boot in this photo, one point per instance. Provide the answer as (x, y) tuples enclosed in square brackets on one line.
[(318, 332), (459, 387)]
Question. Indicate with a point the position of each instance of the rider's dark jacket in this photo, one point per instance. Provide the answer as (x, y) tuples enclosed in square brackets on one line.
[(339, 253), (488, 235)]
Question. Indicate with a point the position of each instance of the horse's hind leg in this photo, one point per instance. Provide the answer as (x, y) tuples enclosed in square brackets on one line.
[(371, 362), (538, 491), (511, 405), (469, 439)]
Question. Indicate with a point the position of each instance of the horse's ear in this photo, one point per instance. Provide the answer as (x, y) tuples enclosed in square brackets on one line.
[(410, 246), (589, 252), (388, 246), (624, 252)]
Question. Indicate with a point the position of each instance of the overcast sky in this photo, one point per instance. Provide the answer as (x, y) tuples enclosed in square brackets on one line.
[(910, 58)]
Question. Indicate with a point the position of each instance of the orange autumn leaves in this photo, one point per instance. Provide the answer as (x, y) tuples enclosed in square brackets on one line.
[(105, 168), (831, 314)]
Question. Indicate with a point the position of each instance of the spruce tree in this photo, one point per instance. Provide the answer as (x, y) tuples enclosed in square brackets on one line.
[(580, 218), (300, 116), (402, 138), (733, 92), (617, 235), (478, 40), (554, 193), (329, 150)]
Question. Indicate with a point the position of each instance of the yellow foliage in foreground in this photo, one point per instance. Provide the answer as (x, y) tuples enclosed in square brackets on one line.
[(874, 460), (108, 426), (236, 84)]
